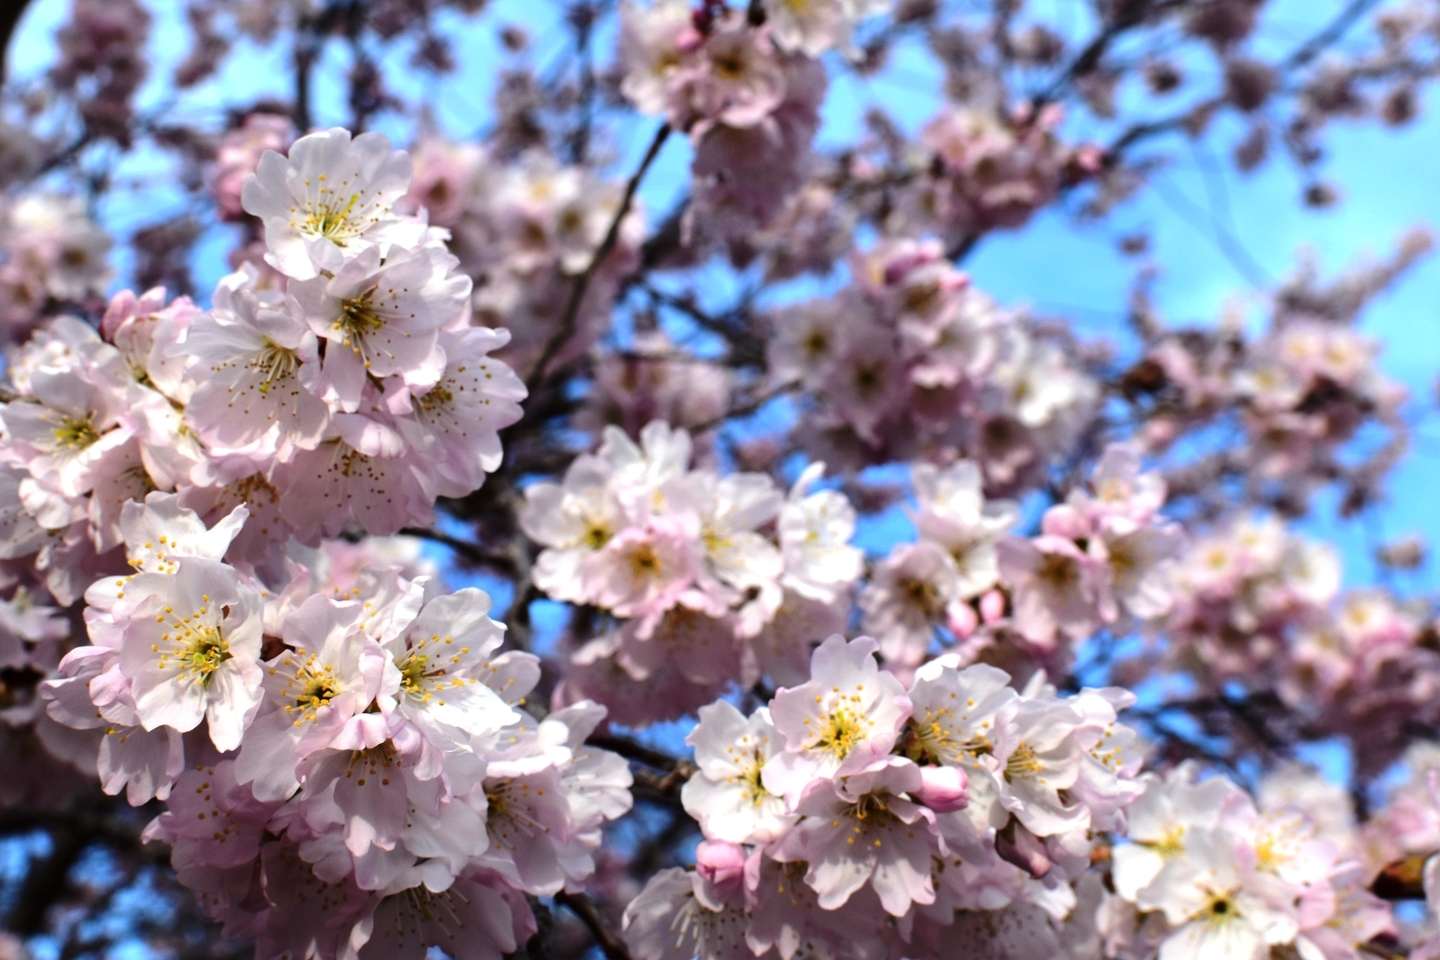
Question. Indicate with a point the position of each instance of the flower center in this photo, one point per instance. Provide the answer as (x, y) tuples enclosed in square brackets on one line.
[(196, 649), (206, 652), (922, 595), (76, 433), (920, 298), (729, 66), (842, 732), (1022, 763), (1172, 844), (755, 792), (437, 398), (715, 541), (1122, 559), (274, 362), (314, 686), (326, 219), (644, 562), (1220, 909), (868, 806), (413, 674), (867, 379), (358, 319), (1057, 571), (596, 535)]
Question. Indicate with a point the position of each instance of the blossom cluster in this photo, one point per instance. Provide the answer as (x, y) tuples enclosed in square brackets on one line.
[(1402, 837), (705, 579), (214, 605), (1239, 588), (1258, 607), (50, 253), (854, 817), (748, 103), (1300, 393), (910, 361), (1103, 559), (989, 169), (342, 387), (102, 61), (1207, 873), (653, 381), (346, 772), (523, 231)]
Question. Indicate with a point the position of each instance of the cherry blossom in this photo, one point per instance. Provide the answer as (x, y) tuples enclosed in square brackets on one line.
[(628, 523)]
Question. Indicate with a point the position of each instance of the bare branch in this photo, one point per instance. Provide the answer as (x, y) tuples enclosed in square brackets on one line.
[(472, 552), (582, 282), (606, 939), (1331, 34)]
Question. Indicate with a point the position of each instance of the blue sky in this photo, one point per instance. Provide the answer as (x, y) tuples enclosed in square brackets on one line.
[(1388, 181)]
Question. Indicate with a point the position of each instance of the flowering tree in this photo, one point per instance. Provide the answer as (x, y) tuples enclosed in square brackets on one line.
[(1055, 714)]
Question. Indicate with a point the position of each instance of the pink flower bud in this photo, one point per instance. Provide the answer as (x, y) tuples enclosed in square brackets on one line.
[(963, 620), (1089, 158), (1021, 847), (689, 40), (721, 863), (992, 606), (943, 789), (1065, 521)]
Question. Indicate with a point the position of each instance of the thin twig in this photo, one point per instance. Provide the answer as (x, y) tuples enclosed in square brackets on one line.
[(1332, 32), (582, 282), (743, 410), (658, 786), (606, 939), (470, 551), (1089, 58), (663, 786), (638, 752)]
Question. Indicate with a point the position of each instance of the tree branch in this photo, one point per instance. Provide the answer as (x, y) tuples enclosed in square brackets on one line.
[(473, 552), (606, 939), (1333, 32), (582, 282), (638, 752)]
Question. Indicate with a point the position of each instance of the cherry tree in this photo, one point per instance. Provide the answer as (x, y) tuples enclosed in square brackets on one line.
[(420, 539)]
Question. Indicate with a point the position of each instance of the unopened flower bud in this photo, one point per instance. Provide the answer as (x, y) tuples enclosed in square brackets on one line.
[(1021, 847), (944, 789), (992, 606)]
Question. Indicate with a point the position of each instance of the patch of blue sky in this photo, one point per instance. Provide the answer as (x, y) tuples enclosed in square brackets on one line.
[(1217, 236)]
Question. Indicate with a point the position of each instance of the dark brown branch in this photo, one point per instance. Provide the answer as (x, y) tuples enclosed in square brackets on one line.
[(1129, 16), (743, 409), (1402, 880), (45, 882), (638, 752), (582, 282), (606, 939), (309, 38), (472, 552), (663, 786), (731, 326), (960, 249), (1332, 33)]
